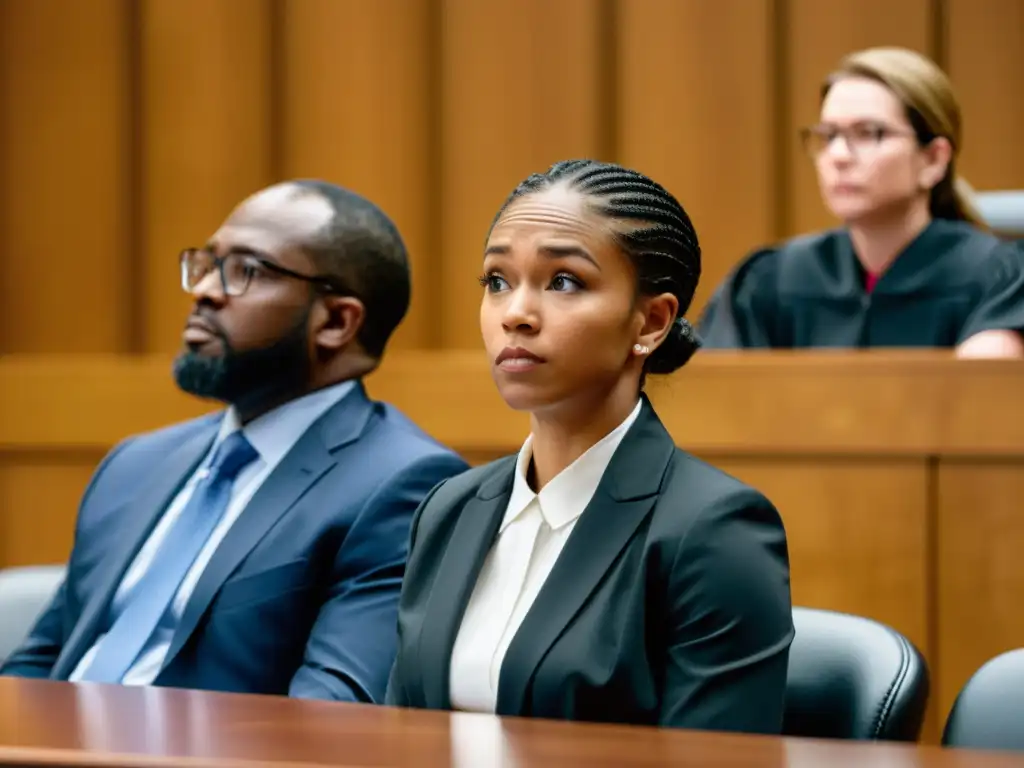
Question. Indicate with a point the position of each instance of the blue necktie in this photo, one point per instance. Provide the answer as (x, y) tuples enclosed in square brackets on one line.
[(155, 591)]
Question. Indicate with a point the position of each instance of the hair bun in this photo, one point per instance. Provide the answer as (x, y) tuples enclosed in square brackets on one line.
[(676, 350)]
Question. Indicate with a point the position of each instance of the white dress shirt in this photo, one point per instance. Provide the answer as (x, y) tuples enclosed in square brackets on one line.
[(532, 533), (272, 435)]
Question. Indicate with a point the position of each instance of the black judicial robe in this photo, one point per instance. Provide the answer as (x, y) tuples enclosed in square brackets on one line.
[(951, 282)]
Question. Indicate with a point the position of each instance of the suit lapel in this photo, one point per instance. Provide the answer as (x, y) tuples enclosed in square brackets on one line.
[(460, 566), (624, 498), (134, 527), (298, 471)]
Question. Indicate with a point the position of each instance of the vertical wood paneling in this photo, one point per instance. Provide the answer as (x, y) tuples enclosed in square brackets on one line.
[(64, 148), (985, 49), (820, 34), (699, 118), (417, 105), (981, 536), (858, 540), (356, 110), (39, 496), (205, 101), (521, 89), (845, 517)]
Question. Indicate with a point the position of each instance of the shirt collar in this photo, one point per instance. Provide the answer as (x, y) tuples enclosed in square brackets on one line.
[(275, 433), (566, 495)]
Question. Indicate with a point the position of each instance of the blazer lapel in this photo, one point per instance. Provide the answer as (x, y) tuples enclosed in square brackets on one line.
[(460, 566), (624, 498), (300, 469), (134, 527)]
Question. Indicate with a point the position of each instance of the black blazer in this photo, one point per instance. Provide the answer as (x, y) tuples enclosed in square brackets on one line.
[(669, 604)]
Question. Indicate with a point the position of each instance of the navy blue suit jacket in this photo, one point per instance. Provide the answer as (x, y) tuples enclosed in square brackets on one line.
[(300, 598)]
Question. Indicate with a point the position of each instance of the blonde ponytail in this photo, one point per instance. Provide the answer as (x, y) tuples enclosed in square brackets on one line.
[(953, 199)]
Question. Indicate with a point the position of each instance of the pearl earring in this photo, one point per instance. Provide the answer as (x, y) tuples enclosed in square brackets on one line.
[(640, 349)]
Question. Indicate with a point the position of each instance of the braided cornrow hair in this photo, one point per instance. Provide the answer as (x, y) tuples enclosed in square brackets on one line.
[(656, 234)]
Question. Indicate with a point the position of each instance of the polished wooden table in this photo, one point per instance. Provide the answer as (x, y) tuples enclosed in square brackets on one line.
[(61, 724)]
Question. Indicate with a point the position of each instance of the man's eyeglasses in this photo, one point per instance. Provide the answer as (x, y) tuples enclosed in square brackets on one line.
[(238, 269)]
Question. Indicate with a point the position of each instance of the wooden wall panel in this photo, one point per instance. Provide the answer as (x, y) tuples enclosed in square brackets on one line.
[(357, 109), (980, 579), (39, 496), (65, 146), (205, 118), (820, 34), (860, 539), (985, 51), (889, 404), (700, 118), (521, 88), (157, 116), (844, 517)]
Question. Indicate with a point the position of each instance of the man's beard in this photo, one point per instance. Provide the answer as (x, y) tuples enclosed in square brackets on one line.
[(250, 379)]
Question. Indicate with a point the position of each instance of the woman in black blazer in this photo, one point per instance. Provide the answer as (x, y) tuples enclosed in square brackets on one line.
[(602, 574)]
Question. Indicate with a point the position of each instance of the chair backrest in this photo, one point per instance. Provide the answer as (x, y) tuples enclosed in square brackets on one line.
[(853, 678), (1003, 210), (989, 712), (24, 594)]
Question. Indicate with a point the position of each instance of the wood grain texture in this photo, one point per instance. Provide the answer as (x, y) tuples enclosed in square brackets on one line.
[(45, 723), (205, 108), (130, 128), (39, 496), (985, 51), (857, 532), (65, 184), (357, 108), (520, 90), (700, 117), (755, 404), (980, 577)]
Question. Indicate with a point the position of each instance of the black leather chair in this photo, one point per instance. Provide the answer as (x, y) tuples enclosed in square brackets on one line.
[(989, 712), (853, 678)]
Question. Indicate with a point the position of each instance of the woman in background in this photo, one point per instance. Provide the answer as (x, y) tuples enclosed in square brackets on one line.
[(602, 574), (913, 264)]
